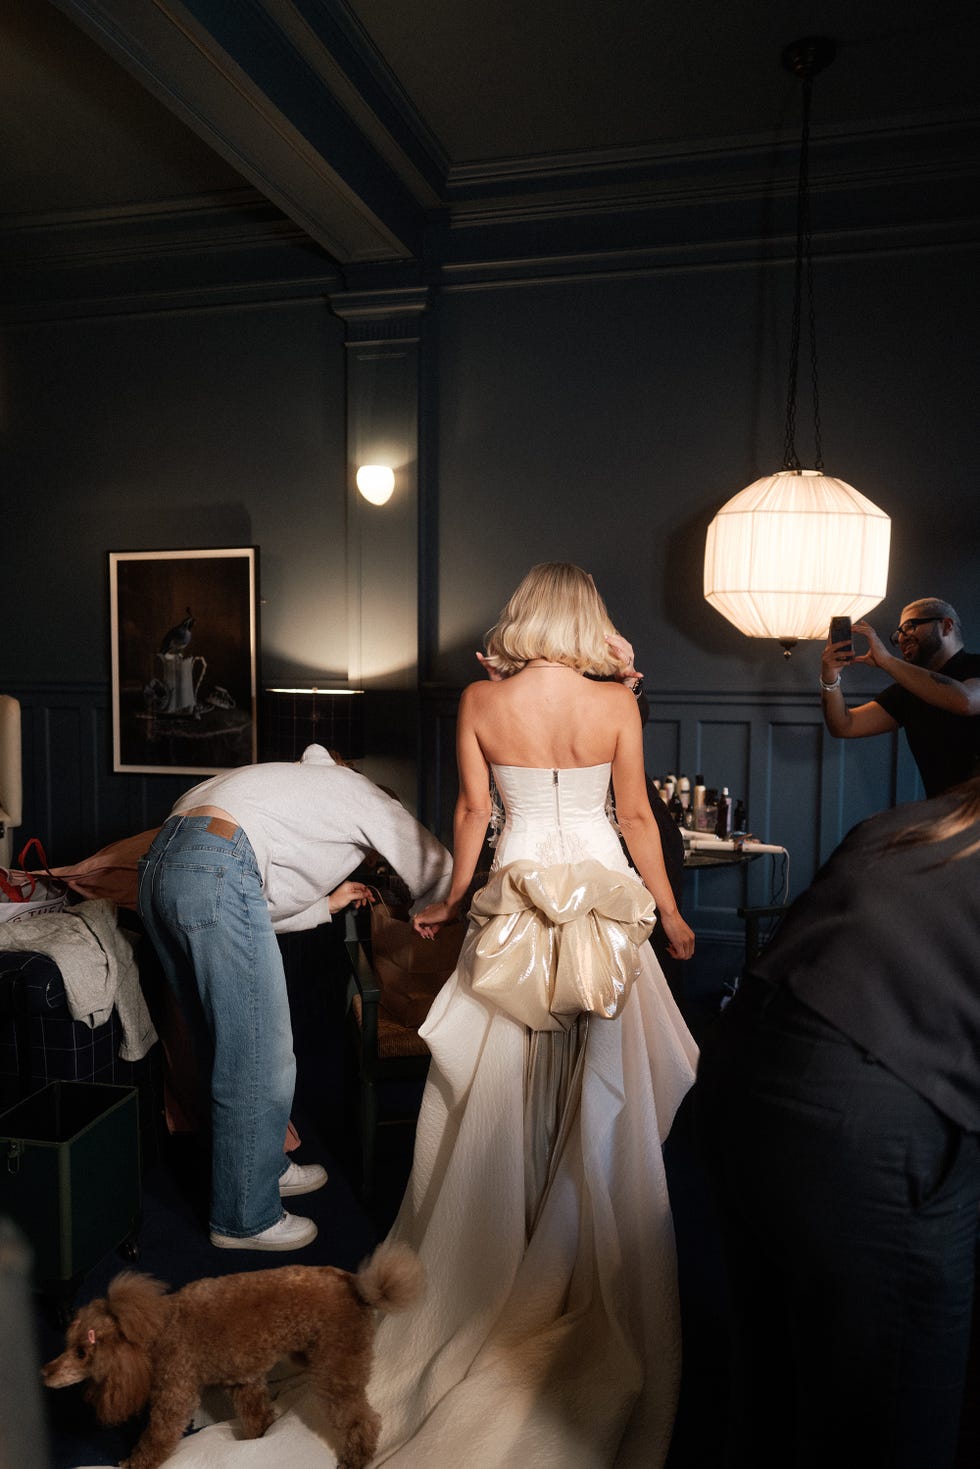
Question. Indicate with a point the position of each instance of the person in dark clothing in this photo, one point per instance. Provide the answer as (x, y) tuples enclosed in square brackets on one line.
[(673, 849), (935, 696), (838, 1108)]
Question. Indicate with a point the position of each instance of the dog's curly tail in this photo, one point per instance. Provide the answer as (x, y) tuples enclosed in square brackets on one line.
[(392, 1278)]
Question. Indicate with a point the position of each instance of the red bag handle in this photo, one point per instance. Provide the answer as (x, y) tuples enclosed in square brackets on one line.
[(22, 859), (23, 892)]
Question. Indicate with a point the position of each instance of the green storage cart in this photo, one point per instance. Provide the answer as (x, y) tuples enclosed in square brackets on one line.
[(70, 1178)]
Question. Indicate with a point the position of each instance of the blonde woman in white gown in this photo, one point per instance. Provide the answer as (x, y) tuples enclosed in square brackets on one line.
[(550, 1332)]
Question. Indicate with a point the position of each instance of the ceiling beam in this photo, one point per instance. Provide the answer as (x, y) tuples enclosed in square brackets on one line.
[(243, 86)]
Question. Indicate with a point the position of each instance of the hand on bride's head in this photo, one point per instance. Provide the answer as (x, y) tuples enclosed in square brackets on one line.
[(492, 673), (622, 651)]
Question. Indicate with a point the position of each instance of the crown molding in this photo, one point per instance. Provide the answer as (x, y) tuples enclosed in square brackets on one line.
[(901, 187), (342, 169), (600, 179), (777, 151), (171, 301), (487, 271), (228, 219)]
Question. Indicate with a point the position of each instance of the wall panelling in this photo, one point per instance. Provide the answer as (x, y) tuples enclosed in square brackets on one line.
[(803, 789)]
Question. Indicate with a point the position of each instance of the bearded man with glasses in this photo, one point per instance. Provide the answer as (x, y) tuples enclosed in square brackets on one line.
[(935, 696)]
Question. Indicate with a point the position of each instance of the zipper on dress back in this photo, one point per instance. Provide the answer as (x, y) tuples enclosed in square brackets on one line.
[(554, 782)]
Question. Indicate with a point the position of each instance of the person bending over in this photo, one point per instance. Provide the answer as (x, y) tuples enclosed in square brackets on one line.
[(263, 850)]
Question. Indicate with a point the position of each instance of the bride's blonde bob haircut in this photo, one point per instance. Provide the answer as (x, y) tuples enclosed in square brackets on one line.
[(556, 613)]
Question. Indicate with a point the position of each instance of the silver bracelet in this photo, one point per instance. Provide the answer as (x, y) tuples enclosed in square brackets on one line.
[(828, 686)]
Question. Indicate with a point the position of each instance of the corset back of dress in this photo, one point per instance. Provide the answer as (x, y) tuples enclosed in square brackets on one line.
[(554, 816)]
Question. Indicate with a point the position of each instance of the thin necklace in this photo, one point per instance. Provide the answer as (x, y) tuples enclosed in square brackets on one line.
[(546, 663)]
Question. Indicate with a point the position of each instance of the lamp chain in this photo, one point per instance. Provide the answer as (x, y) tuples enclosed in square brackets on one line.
[(804, 266)]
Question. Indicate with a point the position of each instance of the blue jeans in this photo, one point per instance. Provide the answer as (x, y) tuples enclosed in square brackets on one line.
[(201, 902)]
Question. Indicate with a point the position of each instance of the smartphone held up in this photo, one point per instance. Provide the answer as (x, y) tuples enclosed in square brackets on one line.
[(840, 632)]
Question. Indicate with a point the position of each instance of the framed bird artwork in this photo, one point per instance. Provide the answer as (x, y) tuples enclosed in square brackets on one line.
[(183, 629)]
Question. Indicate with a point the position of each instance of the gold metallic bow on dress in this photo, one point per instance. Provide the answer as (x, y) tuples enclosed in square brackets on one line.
[(547, 944)]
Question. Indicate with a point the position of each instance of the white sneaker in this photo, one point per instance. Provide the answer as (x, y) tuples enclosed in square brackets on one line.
[(302, 1178), (291, 1233)]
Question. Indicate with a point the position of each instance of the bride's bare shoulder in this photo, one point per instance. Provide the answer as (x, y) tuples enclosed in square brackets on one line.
[(611, 691), (475, 694), (613, 701)]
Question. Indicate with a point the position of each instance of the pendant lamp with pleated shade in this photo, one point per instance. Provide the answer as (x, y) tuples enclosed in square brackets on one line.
[(793, 550), (796, 548)]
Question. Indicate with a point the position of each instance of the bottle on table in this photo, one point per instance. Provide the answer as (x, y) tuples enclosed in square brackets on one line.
[(684, 791), (697, 804)]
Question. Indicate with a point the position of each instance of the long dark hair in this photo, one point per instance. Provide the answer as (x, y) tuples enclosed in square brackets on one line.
[(965, 813)]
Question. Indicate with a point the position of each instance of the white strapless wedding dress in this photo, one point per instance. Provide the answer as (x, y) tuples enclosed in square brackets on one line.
[(549, 1336)]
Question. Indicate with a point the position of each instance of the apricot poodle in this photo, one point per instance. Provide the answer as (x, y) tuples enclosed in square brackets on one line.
[(140, 1345)]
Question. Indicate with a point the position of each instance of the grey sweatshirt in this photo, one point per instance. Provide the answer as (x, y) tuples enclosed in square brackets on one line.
[(310, 824)]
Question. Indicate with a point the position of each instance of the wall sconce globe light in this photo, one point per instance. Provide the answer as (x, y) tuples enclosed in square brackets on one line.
[(798, 547), (376, 483)]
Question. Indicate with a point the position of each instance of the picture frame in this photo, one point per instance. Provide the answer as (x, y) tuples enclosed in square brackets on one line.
[(183, 635)]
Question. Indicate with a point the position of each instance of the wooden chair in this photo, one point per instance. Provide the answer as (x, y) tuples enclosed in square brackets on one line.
[(385, 1029), (386, 1051)]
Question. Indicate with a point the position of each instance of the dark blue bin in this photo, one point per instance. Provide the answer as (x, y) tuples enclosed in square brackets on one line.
[(70, 1175)]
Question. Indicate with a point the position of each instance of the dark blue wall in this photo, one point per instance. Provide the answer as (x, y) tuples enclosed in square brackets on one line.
[(166, 431), (606, 421), (602, 419)]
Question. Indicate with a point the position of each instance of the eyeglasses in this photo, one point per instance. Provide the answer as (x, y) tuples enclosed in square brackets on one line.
[(909, 625)]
